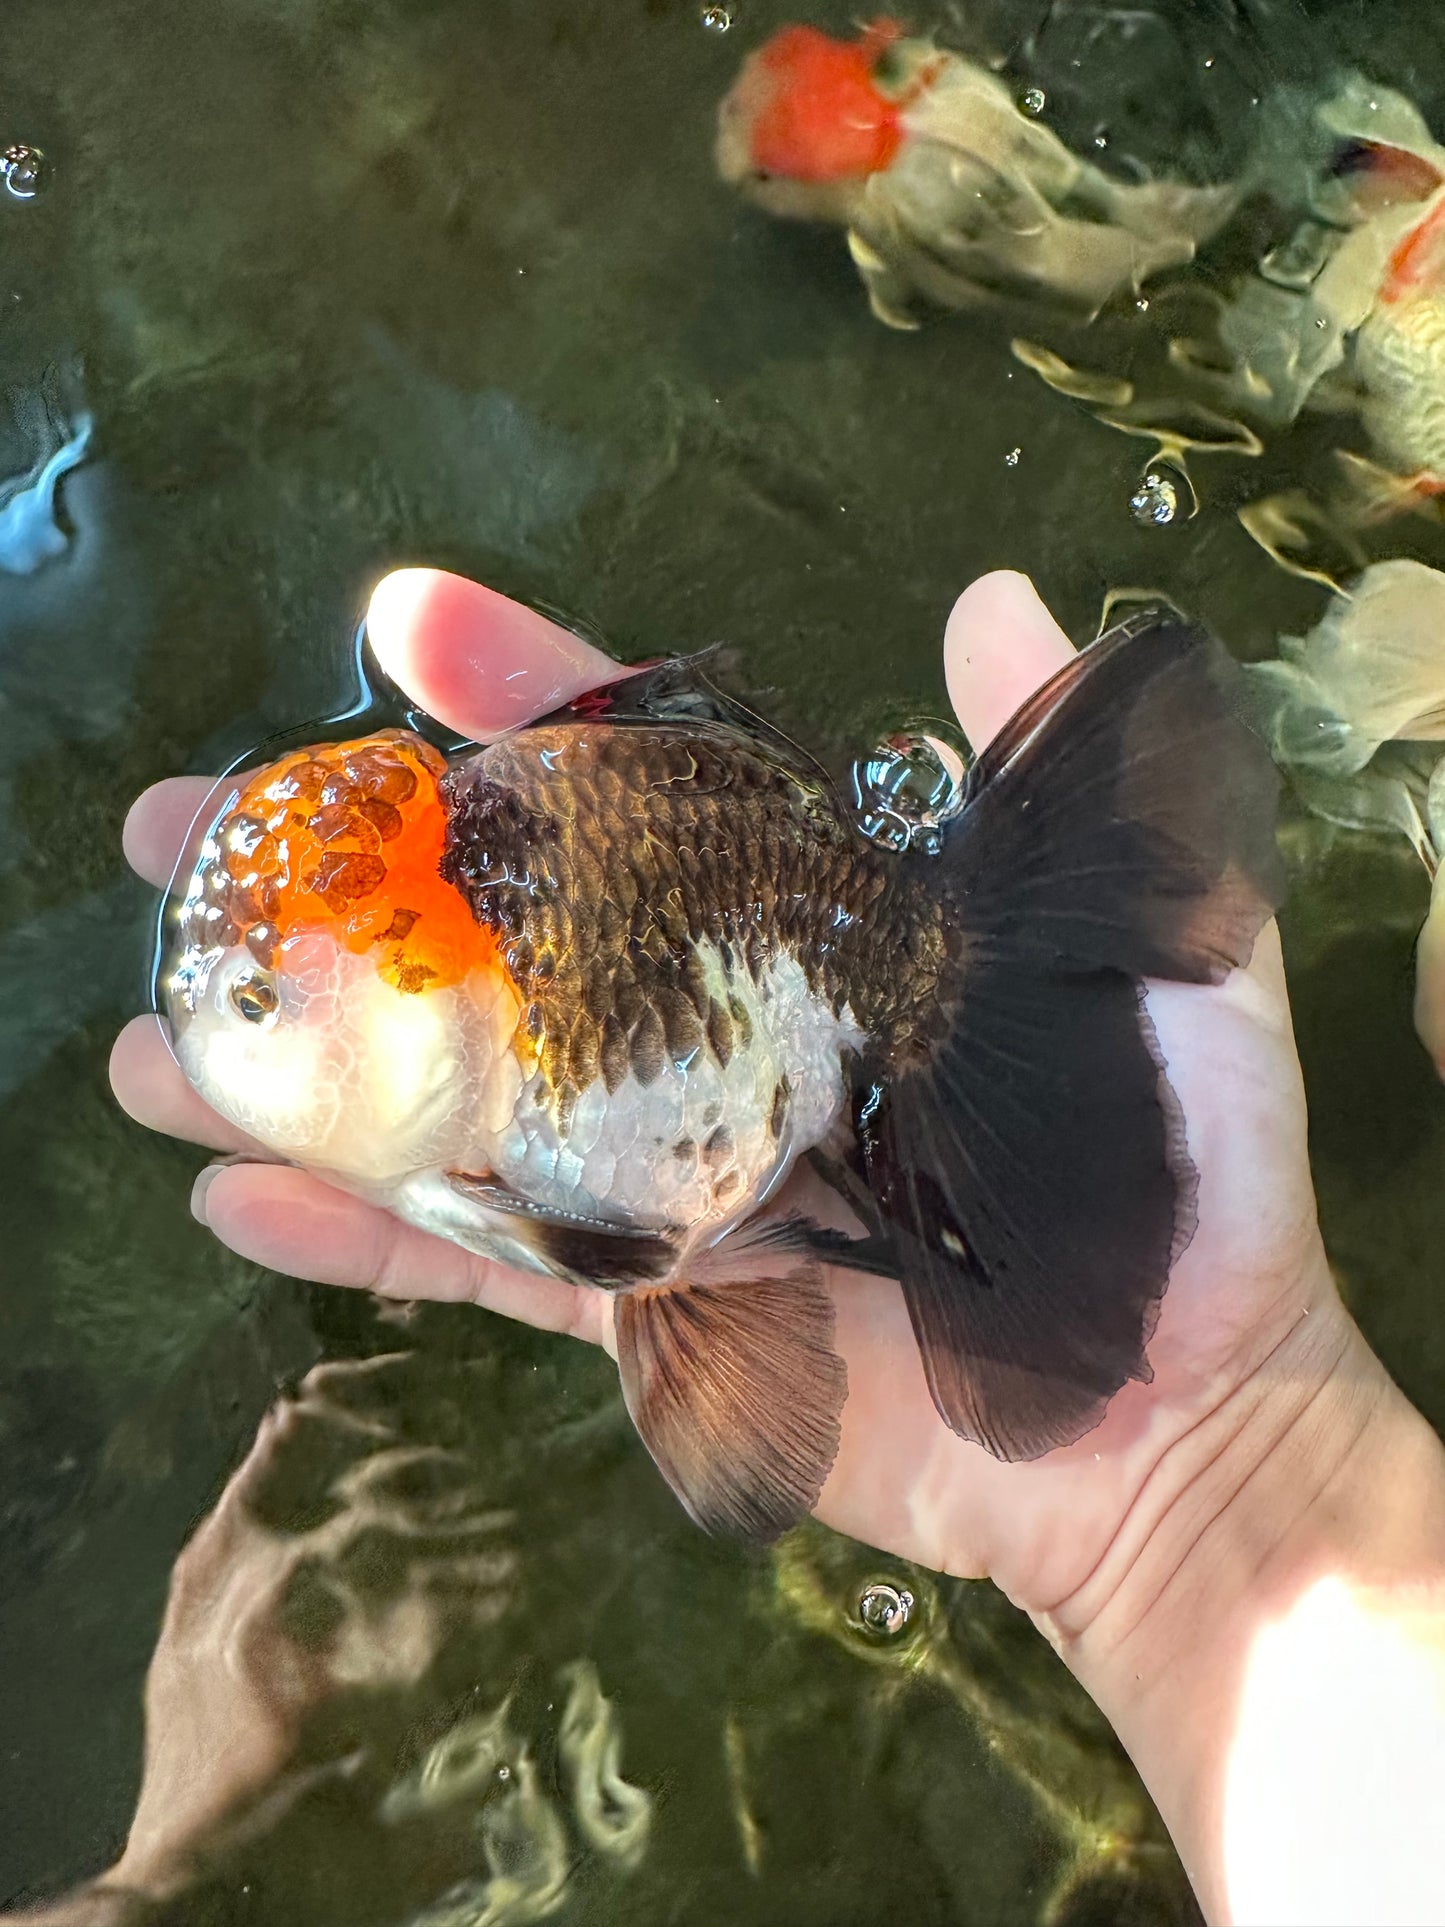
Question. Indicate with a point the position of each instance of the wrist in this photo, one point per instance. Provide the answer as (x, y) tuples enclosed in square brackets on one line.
[(1315, 1470), (98, 1905)]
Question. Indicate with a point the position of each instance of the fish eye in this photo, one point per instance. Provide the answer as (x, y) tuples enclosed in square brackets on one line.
[(253, 996)]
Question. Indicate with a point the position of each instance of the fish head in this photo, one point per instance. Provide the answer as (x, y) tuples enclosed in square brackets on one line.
[(327, 991), (1377, 175), (809, 119)]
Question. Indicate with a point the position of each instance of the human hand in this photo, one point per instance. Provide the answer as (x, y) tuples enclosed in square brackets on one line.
[(1253, 1280)]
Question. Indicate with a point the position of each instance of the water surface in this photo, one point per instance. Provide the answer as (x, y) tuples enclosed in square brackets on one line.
[(346, 284)]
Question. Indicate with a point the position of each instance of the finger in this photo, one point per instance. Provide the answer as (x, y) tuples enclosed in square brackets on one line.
[(1430, 979), (150, 1086), (1000, 643), (290, 1221), (159, 822), (1266, 966), (474, 659)]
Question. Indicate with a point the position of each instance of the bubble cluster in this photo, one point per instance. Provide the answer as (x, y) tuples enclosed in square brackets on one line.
[(22, 168), (884, 1610), (905, 792), (347, 837), (1155, 502)]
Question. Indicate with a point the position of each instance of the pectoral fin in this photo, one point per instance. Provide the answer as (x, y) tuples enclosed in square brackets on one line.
[(734, 1385)]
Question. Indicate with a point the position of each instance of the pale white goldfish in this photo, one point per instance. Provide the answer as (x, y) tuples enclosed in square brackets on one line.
[(1356, 711)]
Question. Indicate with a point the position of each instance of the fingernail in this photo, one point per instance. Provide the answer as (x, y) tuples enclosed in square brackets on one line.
[(204, 1180)]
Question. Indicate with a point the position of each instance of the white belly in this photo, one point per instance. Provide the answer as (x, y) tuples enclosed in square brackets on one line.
[(702, 1140)]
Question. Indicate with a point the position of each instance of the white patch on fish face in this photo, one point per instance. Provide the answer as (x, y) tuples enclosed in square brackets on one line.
[(695, 1147), (346, 1072)]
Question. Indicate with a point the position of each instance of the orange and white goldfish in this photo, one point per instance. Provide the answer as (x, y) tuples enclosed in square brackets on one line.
[(1351, 313), (949, 191), (580, 999)]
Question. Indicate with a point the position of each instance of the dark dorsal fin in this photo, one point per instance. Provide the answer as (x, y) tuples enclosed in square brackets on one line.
[(679, 690)]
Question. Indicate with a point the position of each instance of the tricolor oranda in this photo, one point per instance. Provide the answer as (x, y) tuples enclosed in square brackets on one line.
[(581, 999)]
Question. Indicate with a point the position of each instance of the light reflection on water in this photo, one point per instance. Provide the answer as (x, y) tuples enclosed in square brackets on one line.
[(391, 283)]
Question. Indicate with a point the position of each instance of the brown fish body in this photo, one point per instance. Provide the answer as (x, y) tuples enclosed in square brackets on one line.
[(694, 968), (616, 861)]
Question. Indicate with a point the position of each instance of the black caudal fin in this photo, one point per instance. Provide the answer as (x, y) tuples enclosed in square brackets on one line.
[(734, 1385), (1029, 1159)]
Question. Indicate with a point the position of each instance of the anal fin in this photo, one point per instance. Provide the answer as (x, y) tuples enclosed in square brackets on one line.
[(734, 1385)]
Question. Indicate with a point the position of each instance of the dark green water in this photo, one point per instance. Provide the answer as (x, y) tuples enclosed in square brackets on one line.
[(347, 284)]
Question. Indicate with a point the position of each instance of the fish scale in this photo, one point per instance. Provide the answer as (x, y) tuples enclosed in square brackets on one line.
[(688, 840), (1400, 360)]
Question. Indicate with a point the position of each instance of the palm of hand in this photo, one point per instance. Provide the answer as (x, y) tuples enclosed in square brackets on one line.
[(902, 1481)]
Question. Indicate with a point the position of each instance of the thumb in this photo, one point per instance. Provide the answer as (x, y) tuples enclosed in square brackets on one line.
[(473, 658), (999, 645)]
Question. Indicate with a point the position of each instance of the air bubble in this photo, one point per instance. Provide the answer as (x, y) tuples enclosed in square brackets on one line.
[(23, 169), (905, 791), (885, 1610), (1155, 502), (717, 19), (1033, 101)]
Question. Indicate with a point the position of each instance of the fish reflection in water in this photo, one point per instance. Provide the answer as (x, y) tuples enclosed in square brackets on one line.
[(30, 533), (296, 1618)]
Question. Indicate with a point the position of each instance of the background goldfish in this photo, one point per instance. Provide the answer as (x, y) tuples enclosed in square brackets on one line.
[(947, 188)]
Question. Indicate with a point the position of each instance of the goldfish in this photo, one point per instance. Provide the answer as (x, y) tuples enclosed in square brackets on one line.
[(1355, 710), (1371, 671), (1350, 312), (948, 190), (580, 999)]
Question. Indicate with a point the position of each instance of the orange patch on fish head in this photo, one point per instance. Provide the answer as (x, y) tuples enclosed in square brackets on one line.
[(811, 109), (345, 840)]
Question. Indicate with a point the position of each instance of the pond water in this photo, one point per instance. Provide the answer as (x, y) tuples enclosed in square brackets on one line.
[(335, 285)]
